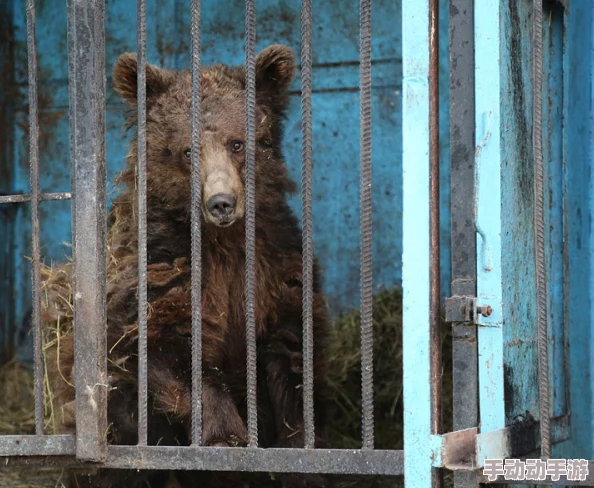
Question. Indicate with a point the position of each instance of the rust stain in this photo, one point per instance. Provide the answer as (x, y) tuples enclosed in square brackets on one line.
[(14, 117), (166, 48), (279, 15), (7, 212), (7, 97), (52, 158)]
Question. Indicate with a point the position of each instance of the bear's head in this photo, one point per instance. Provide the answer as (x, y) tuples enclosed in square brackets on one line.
[(222, 134)]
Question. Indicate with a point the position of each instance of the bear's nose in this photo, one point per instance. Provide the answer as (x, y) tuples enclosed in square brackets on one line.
[(221, 205)]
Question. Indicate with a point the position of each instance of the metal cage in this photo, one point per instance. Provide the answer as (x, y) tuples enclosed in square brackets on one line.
[(476, 310)]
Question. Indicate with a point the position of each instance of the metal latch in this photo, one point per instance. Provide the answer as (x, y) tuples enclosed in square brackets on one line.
[(464, 309), (460, 309)]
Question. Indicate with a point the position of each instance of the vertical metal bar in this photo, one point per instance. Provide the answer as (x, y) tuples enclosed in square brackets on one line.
[(196, 233), (34, 168), (366, 227), (7, 212), (539, 232), (463, 234), (434, 316), (434, 267), (306, 197), (488, 157), (555, 238), (142, 251), (566, 197), (250, 219), (416, 245), (86, 73)]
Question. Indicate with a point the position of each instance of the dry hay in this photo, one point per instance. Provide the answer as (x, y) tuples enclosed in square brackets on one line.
[(17, 416), (57, 319), (344, 378), (16, 400), (32, 478), (344, 375), (344, 383)]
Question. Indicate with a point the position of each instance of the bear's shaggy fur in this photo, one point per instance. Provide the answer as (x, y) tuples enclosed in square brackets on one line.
[(278, 309)]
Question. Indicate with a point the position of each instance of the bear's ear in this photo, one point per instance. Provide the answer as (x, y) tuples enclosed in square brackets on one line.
[(275, 69), (125, 83)]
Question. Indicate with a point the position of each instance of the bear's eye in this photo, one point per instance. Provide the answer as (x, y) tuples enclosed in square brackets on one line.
[(188, 154), (236, 146)]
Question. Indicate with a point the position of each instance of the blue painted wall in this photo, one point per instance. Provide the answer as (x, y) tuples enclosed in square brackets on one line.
[(336, 123), (520, 353), (578, 156), (568, 63)]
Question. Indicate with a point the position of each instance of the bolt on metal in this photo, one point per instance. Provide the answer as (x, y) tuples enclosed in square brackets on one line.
[(484, 310)]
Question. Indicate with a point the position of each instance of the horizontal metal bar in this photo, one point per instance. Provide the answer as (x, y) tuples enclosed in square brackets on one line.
[(325, 461), (27, 197), (37, 445), (519, 439)]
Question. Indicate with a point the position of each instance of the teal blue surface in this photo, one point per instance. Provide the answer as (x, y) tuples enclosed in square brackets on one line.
[(578, 154), (488, 170), (416, 249), (568, 57)]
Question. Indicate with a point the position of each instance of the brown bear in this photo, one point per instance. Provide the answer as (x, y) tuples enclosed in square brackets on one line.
[(278, 266)]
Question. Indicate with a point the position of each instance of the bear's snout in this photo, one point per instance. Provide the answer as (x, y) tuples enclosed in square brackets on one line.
[(221, 206)]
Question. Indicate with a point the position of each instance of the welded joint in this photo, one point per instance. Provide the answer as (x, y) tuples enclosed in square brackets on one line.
[(466, 450), (455, 450)]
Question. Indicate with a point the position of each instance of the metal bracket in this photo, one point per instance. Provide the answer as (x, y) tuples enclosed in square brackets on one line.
[(455, 450), (466, 450), (464, 309), (460, 309)]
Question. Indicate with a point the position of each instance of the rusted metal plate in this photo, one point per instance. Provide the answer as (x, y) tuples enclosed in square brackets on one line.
[(459, 450)]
